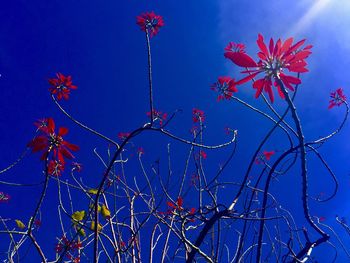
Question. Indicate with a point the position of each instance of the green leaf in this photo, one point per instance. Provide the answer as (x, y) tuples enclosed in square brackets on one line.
[(20, 224), (78, 215)]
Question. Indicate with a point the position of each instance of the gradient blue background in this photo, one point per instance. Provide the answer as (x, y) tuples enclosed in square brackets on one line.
[(99, 44)]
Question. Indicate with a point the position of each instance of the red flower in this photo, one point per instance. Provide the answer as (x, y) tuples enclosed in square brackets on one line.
[(123, 135), (158, 116), (77, 167), (198, 115), (150, 23), (274, 60), (194, 179), (55, 168), (236, 52), (50, 141), (37, 222), (41, 124), (178, 205), (194, 130), (68, 245), (65, 245), (229, 130), (191, 214), (337, 98), (4, 197), (140, 151), (268, 154), (203, 154), (122, 244), (225, 86), (61, 86)]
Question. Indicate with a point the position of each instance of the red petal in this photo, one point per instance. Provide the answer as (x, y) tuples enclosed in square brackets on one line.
[(258, 85), (241, 59), (271, 46), (60, 157), (65, 95), (62, 131), (300, 56), (247, 78), (50, 125), (43, 156), (286, 45), (290, 79), (331, 105), (262, 56), (65, 152), (53, 82), (280, 91), (61, 77), (268, 89), (298, 67), (296, 46), (180, 201), (71, 146), (262, 45), (170, 204), (277, 47)]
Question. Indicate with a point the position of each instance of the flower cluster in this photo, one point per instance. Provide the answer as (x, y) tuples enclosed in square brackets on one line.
[(268, 155), (140, 151), (198, 115), (150, 23), (265, 156), (61, 86), (123, 135), (177, 205), (225, 86), (158, 116), (202, 154), (69, 248), (4, 197), (274, 61), (77, 167), (177, 208), (55, 168), (337, 98), (49, 141), (194, 179)]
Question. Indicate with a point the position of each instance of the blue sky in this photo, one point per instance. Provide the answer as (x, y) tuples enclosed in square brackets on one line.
[(100, 45)]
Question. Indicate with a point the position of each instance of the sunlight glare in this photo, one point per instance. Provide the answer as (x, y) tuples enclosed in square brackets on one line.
[(311, 14)]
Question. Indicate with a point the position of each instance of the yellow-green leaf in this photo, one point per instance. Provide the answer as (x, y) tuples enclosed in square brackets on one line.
[(92, 227), (78, 215), (20, 224), (81, 232), (105, 212), (93, 191)]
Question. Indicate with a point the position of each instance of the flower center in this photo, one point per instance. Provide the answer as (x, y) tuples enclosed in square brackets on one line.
[(61, 87), (55, 140), (151, 23), (272, 67)]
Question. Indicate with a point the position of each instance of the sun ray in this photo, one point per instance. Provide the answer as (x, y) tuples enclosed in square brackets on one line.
[(306, 20)]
